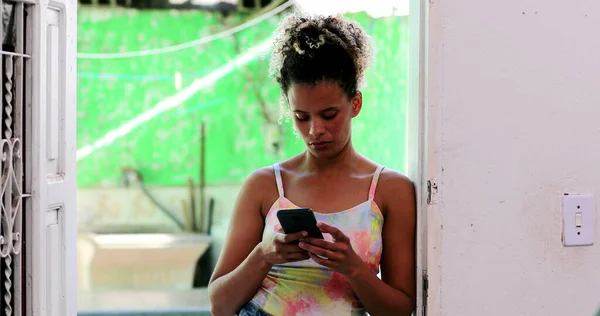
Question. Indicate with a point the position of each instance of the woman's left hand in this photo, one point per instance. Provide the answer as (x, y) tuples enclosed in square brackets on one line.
[(339, 253)]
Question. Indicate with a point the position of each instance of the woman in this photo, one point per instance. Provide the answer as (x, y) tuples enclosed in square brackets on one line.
[(366, 212)]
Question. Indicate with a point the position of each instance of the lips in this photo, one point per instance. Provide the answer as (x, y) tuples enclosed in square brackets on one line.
[(319, 145)]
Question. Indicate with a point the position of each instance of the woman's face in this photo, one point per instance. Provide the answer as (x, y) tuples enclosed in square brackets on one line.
[(322, 114)]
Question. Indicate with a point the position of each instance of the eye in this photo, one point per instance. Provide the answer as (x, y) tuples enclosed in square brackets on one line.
[(301, 116), (329, 115)]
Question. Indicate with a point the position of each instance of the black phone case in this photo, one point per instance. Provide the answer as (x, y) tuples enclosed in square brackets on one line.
[(299, 219)]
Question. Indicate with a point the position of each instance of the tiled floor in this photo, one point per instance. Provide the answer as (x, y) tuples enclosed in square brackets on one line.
[(149, 303)]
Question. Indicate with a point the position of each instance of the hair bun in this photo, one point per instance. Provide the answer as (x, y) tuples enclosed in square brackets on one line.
[(306, 41), (302, 37)]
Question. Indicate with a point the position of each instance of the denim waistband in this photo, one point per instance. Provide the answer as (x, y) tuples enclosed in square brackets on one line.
[(252, 310)]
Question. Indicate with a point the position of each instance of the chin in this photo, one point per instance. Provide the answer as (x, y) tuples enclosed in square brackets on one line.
[(319, 154), (324, 154)]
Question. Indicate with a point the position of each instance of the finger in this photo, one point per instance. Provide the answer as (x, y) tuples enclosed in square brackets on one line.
[(279, 237), (298, 256), (331, 255), (336, 233), (286, 238), (290, 248), (323, 262), (338, 247), (295, 236)]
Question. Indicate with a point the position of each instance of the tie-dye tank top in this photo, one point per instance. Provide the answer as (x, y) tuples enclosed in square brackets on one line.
[(307, 288)]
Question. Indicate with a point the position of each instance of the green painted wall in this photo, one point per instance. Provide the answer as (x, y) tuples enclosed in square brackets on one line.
[(165, 148)]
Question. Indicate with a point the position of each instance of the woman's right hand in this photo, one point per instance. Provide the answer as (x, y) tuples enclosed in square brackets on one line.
[(281, 248)]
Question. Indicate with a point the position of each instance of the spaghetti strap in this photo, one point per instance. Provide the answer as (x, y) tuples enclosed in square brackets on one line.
[(374, 182), (278, 179)]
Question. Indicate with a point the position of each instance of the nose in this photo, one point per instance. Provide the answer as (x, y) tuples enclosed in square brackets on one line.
[(317, 128)]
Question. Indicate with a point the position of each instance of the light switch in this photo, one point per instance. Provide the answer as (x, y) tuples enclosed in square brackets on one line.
[(579, 219)]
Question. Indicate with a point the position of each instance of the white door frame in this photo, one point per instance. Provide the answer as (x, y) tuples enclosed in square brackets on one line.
[(51, 266), (418, 133), (426, 167)]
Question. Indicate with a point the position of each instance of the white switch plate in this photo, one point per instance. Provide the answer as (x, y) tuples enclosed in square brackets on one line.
[(582, 206)]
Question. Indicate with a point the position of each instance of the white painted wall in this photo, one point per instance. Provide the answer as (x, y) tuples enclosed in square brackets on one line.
[(514, 105)]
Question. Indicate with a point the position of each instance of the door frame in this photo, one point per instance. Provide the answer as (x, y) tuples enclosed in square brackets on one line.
[(50, 159), (418, 141)]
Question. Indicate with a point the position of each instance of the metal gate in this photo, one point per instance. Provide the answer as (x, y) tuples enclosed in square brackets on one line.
[(14, 92)]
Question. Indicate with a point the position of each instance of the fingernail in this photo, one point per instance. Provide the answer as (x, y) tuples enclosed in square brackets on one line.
[(301, 245), (304, 234)]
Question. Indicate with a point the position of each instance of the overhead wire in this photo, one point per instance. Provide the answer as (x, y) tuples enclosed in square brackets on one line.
[(186, 45)]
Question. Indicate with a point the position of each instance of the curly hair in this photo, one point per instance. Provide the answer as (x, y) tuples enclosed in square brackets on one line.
[(313, 48)]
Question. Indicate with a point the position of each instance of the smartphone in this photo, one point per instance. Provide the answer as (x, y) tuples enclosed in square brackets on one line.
[(299, 219)]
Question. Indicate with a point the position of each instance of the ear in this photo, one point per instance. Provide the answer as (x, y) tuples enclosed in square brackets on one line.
[(356, 104)]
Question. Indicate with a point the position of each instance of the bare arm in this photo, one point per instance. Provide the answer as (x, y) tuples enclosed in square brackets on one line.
[(395, 293), (246, 259), (240, 269)]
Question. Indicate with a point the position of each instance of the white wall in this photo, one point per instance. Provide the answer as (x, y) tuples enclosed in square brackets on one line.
[(514, 104)]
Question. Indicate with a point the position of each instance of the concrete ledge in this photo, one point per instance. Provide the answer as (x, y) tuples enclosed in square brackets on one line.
[(144, 303), (138, 261)]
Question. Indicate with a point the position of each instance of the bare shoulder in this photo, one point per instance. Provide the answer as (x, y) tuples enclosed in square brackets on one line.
[(260, 186), (397, 191), (261, 177), (394, 182), (291, 164)]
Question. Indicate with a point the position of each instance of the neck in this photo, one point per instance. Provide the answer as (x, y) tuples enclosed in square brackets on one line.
[(344, 160)]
